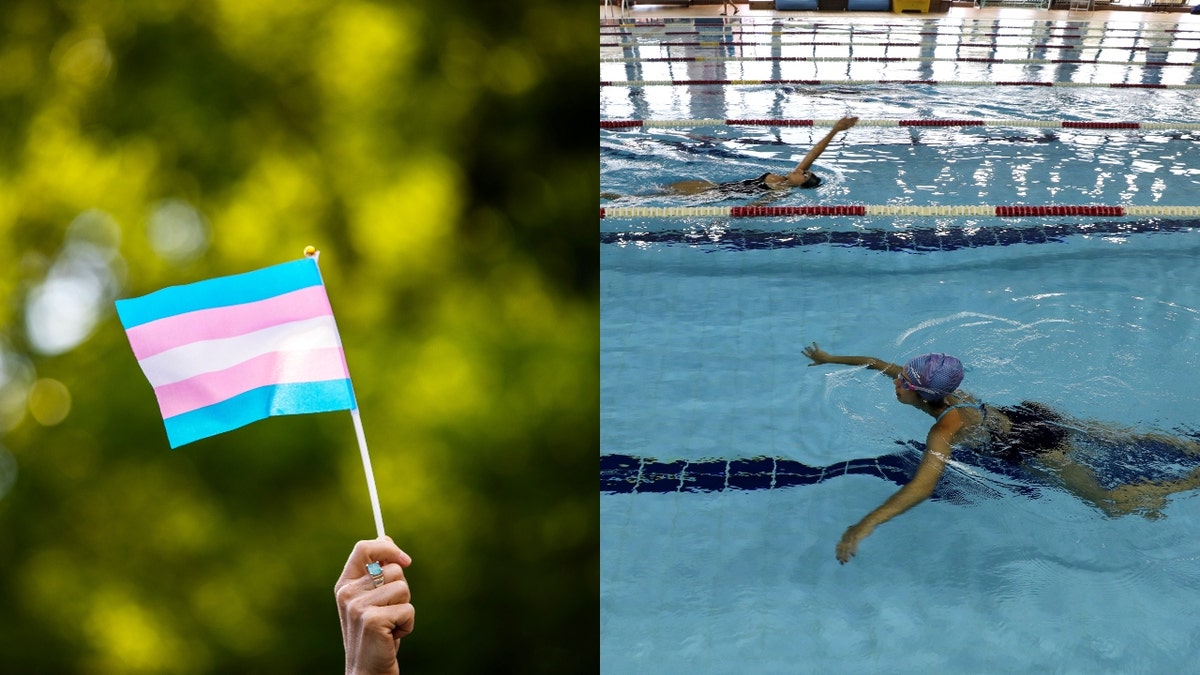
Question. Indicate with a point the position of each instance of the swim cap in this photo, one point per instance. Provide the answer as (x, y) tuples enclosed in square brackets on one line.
[(813, 181), (934, 376)]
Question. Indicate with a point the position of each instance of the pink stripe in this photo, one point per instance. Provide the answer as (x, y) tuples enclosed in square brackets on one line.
[(314, 365), (158, 336)]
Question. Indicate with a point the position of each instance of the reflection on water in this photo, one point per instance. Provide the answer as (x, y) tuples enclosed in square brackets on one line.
[(935, 166)]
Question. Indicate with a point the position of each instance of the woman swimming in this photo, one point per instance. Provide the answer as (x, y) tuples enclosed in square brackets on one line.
[(1028, 434), (801, 176)]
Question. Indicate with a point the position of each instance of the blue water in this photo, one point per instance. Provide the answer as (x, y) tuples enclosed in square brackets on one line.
[(724, 561), (902, 166)]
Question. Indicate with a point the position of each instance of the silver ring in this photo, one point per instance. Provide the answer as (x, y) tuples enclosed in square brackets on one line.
[(376, 572)]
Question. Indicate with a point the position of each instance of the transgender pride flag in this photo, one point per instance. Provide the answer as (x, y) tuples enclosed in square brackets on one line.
[(226, 352)]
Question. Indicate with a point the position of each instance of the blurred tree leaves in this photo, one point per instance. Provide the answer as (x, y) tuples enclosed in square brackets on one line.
[(438, 156)]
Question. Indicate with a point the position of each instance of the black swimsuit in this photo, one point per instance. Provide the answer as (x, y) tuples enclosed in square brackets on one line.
[(747, 186), (1035, 429)]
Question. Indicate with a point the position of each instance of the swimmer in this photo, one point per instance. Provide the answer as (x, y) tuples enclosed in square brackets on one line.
[(1028, 434), (800, 176), (725, 3)]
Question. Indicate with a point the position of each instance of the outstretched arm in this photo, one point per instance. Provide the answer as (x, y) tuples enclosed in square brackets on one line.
[(917, 490), (820, 356), (797, 175)]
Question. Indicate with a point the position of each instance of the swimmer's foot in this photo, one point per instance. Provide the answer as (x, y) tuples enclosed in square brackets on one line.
[(1145, 499)]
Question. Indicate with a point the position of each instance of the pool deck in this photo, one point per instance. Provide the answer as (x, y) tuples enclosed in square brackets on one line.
[(962, 11)]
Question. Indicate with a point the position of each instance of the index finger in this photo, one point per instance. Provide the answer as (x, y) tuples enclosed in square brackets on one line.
[(382, 550)]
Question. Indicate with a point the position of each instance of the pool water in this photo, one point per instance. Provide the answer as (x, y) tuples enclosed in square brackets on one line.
[(724, 561), (911, 165)]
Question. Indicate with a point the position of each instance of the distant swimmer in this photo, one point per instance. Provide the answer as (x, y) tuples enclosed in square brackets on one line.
[(766, 184), (1028, 434), (801, 176)]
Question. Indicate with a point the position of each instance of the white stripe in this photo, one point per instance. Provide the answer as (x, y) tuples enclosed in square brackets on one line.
[(207, 356)]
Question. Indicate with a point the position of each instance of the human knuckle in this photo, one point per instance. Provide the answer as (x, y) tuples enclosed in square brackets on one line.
[(345, 594)]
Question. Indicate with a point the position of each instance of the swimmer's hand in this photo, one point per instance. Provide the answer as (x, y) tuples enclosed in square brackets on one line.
[(845, 123), (817, 355), (847, 548)]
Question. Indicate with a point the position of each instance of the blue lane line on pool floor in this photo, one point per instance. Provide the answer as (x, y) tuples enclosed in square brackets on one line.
[(625, 474), (915, 240), (1121, 462)]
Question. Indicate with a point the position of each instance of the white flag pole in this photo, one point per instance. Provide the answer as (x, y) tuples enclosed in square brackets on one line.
[(366, 459), (313, 253)]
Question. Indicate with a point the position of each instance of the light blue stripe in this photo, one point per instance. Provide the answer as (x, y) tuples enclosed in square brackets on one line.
[(220, 292), (257, 404)]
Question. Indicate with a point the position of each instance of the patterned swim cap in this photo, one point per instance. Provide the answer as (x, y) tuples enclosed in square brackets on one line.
[(934, 376)]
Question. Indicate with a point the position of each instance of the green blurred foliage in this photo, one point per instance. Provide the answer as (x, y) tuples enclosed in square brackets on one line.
[(437, 154)]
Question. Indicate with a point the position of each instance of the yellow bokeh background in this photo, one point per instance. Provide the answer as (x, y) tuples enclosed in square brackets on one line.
[(420, 147)]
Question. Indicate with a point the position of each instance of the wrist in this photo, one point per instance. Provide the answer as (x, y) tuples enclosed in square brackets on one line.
[(870, 521)]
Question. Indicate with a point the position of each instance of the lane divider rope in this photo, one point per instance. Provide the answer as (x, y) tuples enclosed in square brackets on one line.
[(1037, 124), (852, 83), (1011, 211), (924, 43), (1140, 29), (852, 29), (947, 31), (890, 59)]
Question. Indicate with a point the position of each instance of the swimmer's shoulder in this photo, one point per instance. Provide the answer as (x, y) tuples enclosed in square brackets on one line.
[(776, 181)]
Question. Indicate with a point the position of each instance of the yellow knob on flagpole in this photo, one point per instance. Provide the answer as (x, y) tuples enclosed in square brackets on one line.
[(310, 251)]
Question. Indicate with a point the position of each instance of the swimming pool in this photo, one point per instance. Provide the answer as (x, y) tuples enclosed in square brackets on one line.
[(723, 560)]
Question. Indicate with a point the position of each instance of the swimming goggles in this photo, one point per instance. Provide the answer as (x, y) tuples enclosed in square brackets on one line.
[(904, 382)]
